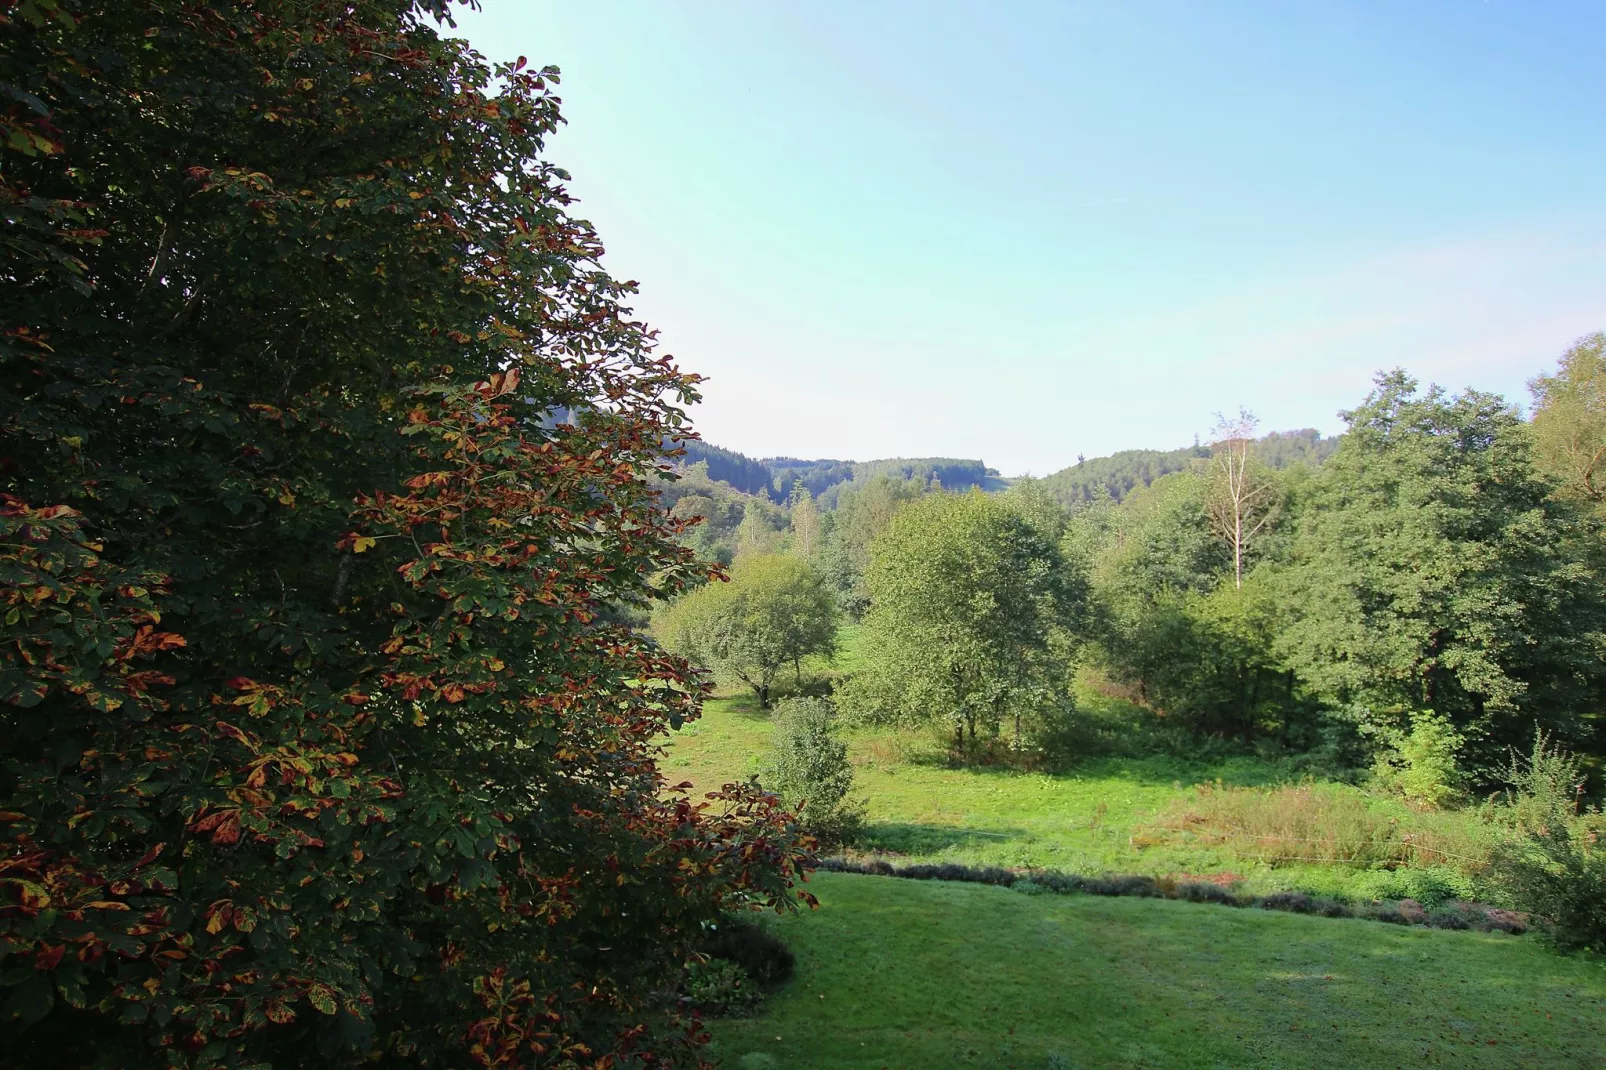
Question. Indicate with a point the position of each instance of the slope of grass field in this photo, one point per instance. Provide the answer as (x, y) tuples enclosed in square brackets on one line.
[(896, 973)]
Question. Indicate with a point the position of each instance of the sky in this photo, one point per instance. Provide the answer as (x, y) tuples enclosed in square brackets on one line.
[(1026, 231)]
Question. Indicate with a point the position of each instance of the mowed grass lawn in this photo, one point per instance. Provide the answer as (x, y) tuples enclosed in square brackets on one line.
[(919, 975)]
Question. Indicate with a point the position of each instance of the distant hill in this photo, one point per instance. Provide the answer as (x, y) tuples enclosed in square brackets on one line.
[(1120, 472), (728, 466), (775, 476), (826, 478)]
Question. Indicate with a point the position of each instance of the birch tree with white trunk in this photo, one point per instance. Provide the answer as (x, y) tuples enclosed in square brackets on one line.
[(1243, 497)]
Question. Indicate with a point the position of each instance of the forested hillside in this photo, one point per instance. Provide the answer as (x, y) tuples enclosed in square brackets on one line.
[(1119, 473), (758, 503), (727, 466), (945, 472), (778, 477)]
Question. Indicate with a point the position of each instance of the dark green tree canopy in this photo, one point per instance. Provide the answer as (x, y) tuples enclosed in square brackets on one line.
[(318, 745), (1434, 571)]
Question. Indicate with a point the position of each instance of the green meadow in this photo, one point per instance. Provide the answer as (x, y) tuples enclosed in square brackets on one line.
[(1104, 815), (902, 973)]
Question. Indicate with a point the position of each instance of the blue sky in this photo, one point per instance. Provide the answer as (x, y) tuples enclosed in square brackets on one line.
[(1022, 231)]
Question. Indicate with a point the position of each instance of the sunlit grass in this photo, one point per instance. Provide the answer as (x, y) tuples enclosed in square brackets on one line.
[(896, 973), (1104, 815)]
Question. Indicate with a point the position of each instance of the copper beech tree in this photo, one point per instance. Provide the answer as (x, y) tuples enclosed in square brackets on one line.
[(326, 462)]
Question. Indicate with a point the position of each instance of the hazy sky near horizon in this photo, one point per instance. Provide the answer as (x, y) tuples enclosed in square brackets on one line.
[(1028, 230)]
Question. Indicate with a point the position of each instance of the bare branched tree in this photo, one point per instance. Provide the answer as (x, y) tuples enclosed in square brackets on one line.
[(1243, 498)]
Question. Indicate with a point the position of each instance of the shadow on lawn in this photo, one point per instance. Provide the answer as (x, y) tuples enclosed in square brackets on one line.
[(900, 837), (744, 706)]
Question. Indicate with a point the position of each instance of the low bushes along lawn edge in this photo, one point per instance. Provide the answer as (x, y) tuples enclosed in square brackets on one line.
[(1453, 915)]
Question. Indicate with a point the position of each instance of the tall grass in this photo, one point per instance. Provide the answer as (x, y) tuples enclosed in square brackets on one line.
[(1321, 823)]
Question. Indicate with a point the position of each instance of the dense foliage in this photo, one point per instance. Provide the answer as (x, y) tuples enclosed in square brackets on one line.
[(320, 744), (1555, 865), (1121, 473), (1423, 598), (1569, 422), (809, 767), (972, 619), (862, 513), (1171, 624), (771, 614), (717, 513), (1432, 570)]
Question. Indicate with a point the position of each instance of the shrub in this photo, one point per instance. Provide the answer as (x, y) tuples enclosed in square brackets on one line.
[(1421, 764), (809, 768), (720, 987), (955, 871), (1300, 903), (1554, 864), (1547, 781), (1430, 885), (752, 947), (1205, 892)]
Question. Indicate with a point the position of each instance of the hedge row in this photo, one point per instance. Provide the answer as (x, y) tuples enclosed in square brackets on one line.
[(1456, 915)]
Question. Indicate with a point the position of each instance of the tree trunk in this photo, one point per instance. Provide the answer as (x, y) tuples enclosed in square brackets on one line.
[(1243, 698), (763, 692), (1249, 705)]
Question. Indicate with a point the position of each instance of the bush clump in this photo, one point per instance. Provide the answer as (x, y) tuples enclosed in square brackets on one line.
[(755, 949), (1554, 863), (1404, 911), (1432, 886), (1420, 765), (736, 961), (720, 988), (1300, 903), (809, 768), (1205, 892)]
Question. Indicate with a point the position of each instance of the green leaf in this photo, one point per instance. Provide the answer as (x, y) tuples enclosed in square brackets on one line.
[(31, 1000)]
